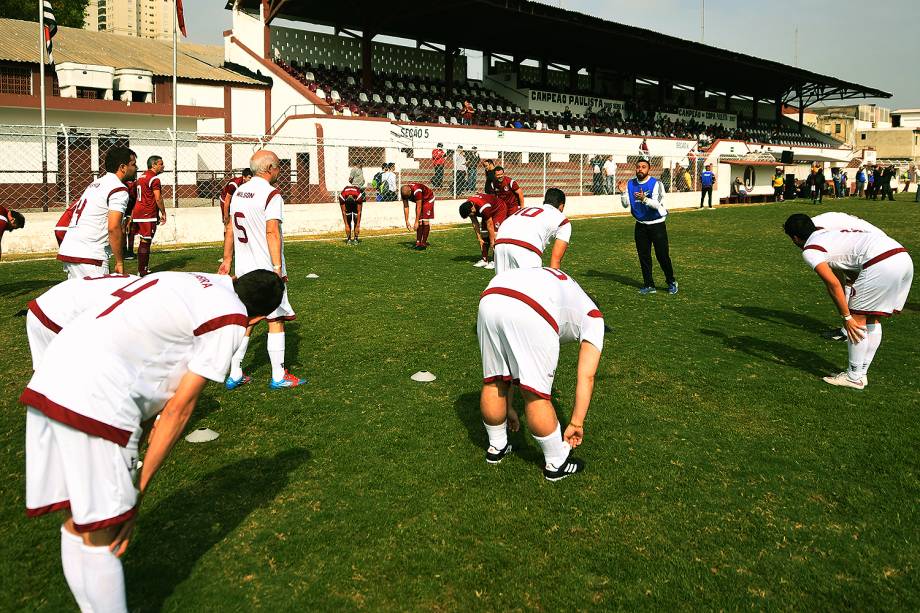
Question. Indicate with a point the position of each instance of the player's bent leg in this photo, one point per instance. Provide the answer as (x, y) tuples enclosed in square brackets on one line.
[(236, 378), (545, 429), (103, 574), (493, 403), (275, 340)]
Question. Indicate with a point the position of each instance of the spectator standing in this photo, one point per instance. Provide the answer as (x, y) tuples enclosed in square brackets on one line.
[(567, 115), (472, 166), (438, 159), (844, 183), (779, 184), (597, 178), (610, 175), (860, 182), (687, 180), (835, 177), (707, 182), (887, 176), (876, 181), (870, 183), (489, 186), (388, 183), (466, 114), (913, 176), (355, 177), (459, 171), (643, 147)]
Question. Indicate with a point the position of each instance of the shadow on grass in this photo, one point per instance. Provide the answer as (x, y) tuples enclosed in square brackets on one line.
[(912, 306), (27, 287), (612, 276), (774, 316), (467, 409), (183, 527), (173, 263), (776, 353), (466, 258)]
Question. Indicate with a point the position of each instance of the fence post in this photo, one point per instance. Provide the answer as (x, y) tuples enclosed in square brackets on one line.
[(545, 155), (66, 166), (581, 174)]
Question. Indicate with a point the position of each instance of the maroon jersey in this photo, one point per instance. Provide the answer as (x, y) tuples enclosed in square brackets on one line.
[(60, 230), (5, 219), (506, 190), (420, 189), (145, 207), (351, 191), (230, 187), (488, 206), (132, 198)]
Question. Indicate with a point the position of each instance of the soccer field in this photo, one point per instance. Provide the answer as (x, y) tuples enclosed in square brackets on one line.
[(722, 473)]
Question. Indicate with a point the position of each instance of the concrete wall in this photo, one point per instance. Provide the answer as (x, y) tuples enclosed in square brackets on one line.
[(892, 143)]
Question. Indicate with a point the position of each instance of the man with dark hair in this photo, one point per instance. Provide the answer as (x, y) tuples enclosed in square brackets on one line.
[(644, 196), (92, 393), (489, 186), (438, 159), (887, 177), (707, 183), (508, 191), (423, 197), (148, 211), (523, 237), (489, 209), (351, 201), (95, 231), (226, 193), (883, 272), (9, 221)]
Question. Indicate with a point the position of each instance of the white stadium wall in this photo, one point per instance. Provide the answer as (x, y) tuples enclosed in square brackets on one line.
[(193, 94)]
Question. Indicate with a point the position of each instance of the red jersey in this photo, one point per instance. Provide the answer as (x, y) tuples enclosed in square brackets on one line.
[(488, 206), (506, 190), (353, 192), (437, 157), (145, 208), (64, 222), (420, 189), (230, 187), (5, 219)]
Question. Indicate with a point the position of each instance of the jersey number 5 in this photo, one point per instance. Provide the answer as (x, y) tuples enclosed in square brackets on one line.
[(242, 236), (123, 294)]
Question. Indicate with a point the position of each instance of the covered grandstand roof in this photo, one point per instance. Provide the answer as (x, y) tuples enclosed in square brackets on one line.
[(200, 62), (525, 29)]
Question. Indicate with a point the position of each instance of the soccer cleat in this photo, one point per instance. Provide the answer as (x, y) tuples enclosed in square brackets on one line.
[(130, 256), (490, 266), (568, 468), (355, 240), (841, 380), (647, 290), (232, 384), (347, 241), (288, 380), (672, 288), (480, 264), (494, 457)]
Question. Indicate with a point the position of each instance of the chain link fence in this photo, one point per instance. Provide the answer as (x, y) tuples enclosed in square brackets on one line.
[(47, 173)]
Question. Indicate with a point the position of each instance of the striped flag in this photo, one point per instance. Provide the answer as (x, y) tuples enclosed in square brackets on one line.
[(49, 24), (180, 17)]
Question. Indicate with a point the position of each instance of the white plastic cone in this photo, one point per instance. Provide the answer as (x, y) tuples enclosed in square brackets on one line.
[(202, 435), (313, 275), (423, 376)]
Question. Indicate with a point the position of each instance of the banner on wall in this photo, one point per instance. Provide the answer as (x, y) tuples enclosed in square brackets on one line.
[(538, 100), (728, 120)]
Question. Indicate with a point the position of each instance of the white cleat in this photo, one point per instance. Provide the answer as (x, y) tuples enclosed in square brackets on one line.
[(490, 266), (481, 264), (841, 380)]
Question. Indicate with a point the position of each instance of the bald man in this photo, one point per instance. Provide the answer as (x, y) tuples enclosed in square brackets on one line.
[(254, 235)]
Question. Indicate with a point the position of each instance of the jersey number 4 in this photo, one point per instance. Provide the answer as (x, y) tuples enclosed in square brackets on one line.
[(123, 294)]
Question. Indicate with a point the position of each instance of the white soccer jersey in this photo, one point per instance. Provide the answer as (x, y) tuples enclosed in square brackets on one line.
[(252, 205), (842, 221), (848, 250), (87, 239), (557, 298), (63, 303), (534, 227), (119, 362)]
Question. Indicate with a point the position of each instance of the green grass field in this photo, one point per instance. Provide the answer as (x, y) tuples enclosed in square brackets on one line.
[(722, 472)]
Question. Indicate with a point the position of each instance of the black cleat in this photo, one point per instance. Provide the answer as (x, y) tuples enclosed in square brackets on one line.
[(568, 468), (498, 456)]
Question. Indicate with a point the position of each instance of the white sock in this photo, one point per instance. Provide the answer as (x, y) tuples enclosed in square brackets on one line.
[(555, 449), (104, 580), (72, 562), (857, 353), (236, 363), (498, 435), (873, 340), (275, 344)]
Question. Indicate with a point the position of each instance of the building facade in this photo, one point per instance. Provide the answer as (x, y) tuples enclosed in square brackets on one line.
[(141, 18)]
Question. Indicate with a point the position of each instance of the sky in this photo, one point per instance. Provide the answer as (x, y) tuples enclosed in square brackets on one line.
[(874, 44)]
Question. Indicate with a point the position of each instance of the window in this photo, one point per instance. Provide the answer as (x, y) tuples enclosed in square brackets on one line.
[(862, 136), (15, 80), (836, 128)]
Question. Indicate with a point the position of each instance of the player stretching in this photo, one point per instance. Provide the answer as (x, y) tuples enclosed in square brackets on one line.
[(9, 221), (92, 391), (491, 211), (883, 271), (351, 201), (254, 236), (148, 211), (524, 236), (524, 315), (227, 192), (423, 197), (95, 231)]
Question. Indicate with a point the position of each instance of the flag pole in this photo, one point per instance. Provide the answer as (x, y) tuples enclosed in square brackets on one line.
[(175, 95), (41, 71)]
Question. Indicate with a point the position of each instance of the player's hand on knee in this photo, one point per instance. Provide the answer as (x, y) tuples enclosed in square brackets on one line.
[(120, 544), (574, 435), (855, 332)]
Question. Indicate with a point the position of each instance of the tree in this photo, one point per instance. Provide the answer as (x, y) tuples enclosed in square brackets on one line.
[(69, 13)]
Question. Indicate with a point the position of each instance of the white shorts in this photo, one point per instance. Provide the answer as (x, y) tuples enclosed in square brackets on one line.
[(512, 256), (69, 469), (284, 312), (881, 289), (39, 338), (81, 271), (517, 345)]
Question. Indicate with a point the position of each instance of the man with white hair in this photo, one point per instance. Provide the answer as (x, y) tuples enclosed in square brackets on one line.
[(254, 235)]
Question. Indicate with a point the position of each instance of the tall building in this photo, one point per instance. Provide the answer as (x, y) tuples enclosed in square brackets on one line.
[(142, 18)]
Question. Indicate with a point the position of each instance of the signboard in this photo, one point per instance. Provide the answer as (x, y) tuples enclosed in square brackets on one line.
[(729, 120), (538, 100)]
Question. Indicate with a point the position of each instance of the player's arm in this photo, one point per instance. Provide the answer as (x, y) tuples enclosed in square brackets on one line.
[(418, 209), (520, 196), (158, 198), (655, 200), (273, 236), (344, 216), (358, 220), (589, 357), (116, 237), (406, 213), (228, 248), (559, 247), (476, 227), (835, 290), (490, 226), (225, 208)]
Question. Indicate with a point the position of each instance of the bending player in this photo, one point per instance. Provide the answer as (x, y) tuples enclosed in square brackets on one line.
[(423, 198), (254, 236), (524, 315), (524, 235), (883, 271), (491, 211), (9, 221), (92, 391), (351, 201)]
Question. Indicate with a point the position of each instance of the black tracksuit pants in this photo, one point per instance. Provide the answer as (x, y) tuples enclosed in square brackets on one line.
[(647, 236)]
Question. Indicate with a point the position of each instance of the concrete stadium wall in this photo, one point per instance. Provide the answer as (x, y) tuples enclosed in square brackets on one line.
[(200, 225)]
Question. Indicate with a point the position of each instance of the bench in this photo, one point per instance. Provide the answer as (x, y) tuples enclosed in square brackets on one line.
[(748, 199)]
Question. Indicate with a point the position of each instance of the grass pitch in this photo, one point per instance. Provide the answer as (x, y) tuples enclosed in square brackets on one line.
[(722, 473)]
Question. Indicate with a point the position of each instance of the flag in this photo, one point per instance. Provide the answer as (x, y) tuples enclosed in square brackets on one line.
[(180, 17), (49, 25)]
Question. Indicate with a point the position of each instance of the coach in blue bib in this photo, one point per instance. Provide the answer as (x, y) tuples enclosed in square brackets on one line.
[(644, 196)]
